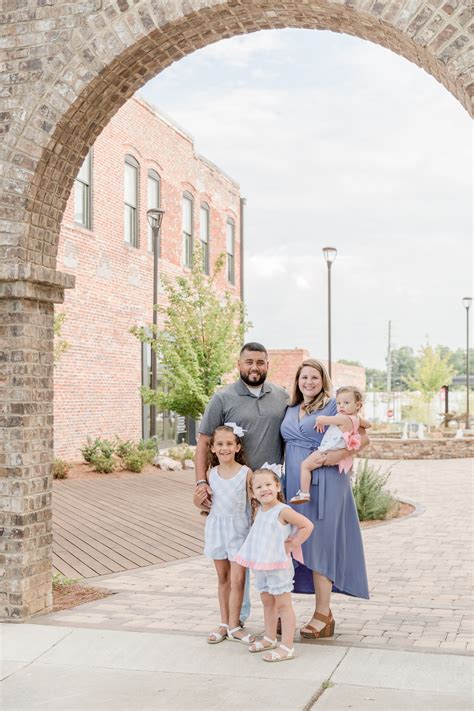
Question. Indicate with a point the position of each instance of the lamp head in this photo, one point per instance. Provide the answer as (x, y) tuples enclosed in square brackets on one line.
[(330, 254), (467, 301), (155, 217)]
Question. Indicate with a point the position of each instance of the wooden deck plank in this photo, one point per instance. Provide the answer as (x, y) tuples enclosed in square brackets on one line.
[(121, 523)]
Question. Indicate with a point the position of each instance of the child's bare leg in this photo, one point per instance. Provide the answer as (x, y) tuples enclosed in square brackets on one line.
[(270, 615), (237, 584), (223, 590), (305, 477), (284, 610)]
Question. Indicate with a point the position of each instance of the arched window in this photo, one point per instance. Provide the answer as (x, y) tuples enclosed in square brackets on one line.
[(187, 230), (83, 194), (130, 200), (204, 235), (230, 244), (153, 201)]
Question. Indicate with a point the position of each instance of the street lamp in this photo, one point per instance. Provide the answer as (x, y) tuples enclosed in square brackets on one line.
[(466, 302), (155, 218), (330, 254)]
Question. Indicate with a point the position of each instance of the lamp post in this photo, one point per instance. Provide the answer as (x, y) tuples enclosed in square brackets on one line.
[(467, 301), (155, 218), (330, 254)]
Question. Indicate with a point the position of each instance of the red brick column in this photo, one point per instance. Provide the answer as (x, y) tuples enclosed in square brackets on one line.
[(26, 451)]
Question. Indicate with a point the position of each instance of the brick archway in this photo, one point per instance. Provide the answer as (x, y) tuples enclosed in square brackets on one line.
[(68, 72)]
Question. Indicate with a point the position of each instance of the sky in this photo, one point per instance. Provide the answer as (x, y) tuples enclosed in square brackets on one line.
[(336, 141)]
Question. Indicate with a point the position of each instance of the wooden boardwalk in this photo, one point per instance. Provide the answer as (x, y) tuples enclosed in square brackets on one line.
[(109, 525)]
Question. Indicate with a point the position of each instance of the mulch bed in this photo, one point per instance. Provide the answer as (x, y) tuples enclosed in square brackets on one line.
[(67, 596)]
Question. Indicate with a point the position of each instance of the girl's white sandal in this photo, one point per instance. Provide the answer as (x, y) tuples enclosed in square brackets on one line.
[(216, 637), (260, 647), (248, 639), (275, 656)]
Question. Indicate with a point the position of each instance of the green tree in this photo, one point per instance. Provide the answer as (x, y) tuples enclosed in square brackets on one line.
[(457, 359), (403, 367), (431, 373), (200, 341), (376, 379)]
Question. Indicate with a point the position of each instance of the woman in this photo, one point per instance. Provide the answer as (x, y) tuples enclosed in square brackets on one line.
[(333, 555)]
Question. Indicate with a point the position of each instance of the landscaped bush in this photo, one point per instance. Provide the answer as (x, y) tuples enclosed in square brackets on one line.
[(136, 459), (123, 447), (90, 449), (372, 499), (103, 464), (181, 452), (151, 445), (60, 469)]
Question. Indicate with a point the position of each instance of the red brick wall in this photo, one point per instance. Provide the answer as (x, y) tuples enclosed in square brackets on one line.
[(97, 379), (284, 364)]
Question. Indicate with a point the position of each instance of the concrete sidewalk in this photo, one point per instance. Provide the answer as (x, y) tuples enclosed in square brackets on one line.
[(45, 667)]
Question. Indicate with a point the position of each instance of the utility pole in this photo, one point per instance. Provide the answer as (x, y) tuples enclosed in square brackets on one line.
[(389, 358)]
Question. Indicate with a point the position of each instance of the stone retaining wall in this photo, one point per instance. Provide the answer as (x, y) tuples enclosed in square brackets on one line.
[(419, 449)]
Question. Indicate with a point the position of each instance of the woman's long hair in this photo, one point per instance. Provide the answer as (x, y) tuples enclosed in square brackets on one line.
[(323, 397), (212, 460)]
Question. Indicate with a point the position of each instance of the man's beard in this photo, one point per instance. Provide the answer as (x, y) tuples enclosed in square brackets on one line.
[(253, 383)]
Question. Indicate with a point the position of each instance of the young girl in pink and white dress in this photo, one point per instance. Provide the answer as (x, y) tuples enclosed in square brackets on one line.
[(342, 433), (277, 532)]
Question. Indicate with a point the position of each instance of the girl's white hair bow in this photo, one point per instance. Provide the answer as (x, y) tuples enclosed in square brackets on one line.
[(236, 429), (275, 468)]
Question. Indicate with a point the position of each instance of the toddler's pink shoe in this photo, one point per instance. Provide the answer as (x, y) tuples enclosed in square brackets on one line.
[(301, 497)]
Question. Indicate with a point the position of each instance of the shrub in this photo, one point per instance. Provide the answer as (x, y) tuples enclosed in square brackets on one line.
[(90, 449), (60, 469), (123, 447), (150, 445), (372, 499), (135, 460), (97, 448), (181, 452), (103, 464), (61, 581)]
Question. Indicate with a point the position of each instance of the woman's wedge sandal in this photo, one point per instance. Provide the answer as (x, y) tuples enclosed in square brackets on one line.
[(310, 632), (216, 637), (247, 639), (276, 656), (259, 646)]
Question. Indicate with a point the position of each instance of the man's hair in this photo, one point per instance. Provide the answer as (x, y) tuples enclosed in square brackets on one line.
[(252, 346)]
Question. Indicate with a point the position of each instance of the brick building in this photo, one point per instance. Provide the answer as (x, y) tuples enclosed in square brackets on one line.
[(140, 160), (284, 363)]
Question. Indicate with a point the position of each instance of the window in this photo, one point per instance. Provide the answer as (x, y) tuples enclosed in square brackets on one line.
[(153, 198), (82, 194), (204, 234), (230, 241), (187, 230), (130, 197)]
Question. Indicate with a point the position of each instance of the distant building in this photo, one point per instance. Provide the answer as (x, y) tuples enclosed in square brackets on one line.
[(141, 160), (284, 364)]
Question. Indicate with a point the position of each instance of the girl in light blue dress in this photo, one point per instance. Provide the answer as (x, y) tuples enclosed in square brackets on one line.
[(227, 527)]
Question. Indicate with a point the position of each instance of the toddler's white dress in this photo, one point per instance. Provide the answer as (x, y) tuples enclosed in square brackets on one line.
[(228, 523), (264, 552)]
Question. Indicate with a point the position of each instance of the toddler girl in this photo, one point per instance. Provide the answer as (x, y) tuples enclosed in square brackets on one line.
[(227, 527), (277, 532), (342, 433)]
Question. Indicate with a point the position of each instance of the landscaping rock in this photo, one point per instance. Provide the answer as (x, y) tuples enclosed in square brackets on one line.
[(188, 464), (167, 464)]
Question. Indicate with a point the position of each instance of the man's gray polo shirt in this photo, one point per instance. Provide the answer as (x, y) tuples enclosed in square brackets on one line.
[(260, 416)]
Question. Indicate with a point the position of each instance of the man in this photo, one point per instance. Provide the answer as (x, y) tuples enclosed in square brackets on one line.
[(256, 406), (253, 404)]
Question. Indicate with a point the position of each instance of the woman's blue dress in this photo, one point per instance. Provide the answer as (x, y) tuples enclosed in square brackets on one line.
[(334, 548)]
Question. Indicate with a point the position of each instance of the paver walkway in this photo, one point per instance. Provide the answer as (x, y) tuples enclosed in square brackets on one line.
[(420, 578)]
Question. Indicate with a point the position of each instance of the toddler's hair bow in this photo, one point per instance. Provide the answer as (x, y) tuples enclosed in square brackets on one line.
[(236, 429), (275, 468)]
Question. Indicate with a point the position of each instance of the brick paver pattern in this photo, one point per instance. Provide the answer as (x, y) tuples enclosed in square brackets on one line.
[(420, 578)]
